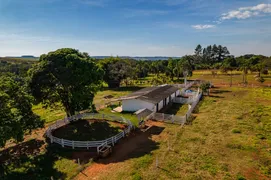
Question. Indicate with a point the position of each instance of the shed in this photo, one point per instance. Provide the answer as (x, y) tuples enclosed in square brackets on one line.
[(152, 98)]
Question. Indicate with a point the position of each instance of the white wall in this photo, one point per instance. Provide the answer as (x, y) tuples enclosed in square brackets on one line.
[(173, 96), (133, 105), (178, 92), (167, 100), (160, 105)]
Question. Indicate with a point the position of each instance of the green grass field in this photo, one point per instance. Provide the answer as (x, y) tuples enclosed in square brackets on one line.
[(230, 138), (224, 79)]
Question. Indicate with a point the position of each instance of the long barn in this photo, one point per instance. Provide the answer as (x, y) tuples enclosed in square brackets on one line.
[(152, 98)]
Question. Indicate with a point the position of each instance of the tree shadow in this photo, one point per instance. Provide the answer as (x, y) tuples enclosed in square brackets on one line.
[(220, 91), (213, 96), (136, 145), (120, 89), (28, 160), (31, 160)]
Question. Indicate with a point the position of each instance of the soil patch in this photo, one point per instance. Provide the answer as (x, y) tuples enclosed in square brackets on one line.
[(136, 145), (89, 130)]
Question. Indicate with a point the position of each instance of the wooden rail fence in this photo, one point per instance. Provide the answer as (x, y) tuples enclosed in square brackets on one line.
[(88, 144)]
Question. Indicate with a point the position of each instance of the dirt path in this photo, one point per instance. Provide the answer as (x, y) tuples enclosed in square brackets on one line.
[(136, 145)]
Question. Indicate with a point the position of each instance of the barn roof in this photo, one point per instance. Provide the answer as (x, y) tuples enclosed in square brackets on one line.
[(152, 94)]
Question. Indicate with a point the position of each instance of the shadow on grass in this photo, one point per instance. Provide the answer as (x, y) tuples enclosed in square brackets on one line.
[(135, 146), (120, 89), (213, 96), (219, 91), (31, 160), (28, 161), (173, 108)]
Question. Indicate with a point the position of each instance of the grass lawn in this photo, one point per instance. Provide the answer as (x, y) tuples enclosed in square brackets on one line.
[(127, 115), (49, 115), (177, 109), (224, 79), (89, 130), (230, 138)]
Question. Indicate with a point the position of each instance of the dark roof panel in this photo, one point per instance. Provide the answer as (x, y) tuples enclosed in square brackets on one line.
[(153, 94)]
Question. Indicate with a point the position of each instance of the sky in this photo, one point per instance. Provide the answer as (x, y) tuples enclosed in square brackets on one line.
[(134, 27)]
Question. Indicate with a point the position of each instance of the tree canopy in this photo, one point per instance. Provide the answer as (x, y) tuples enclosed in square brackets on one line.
[(68, 77), (16, 116), (116, 70)]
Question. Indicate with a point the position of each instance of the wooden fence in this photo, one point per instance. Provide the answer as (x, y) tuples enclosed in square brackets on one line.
[(88, 144)]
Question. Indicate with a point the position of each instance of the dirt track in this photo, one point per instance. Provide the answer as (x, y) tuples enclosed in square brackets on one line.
[(137, 144)]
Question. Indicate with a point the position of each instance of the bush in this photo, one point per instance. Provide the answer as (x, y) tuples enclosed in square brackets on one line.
[(236, 131), (240, 177), (264, 71)]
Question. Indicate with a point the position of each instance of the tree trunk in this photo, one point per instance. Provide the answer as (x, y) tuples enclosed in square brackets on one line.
[(231, 79), (69, 111), (114, 84)]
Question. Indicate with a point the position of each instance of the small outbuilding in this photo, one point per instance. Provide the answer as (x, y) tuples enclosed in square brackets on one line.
[(152, 98)]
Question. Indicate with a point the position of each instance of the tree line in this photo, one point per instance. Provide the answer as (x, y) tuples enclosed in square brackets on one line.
[(70, 79)]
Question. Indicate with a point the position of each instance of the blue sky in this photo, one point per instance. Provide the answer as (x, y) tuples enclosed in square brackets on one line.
[(134, 27)]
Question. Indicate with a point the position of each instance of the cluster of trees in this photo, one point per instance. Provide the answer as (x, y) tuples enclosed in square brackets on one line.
[(70, 79), (209, 56), (64, 77), (119, 70)]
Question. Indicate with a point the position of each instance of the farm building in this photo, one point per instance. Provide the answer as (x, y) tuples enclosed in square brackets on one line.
[(152, 98)]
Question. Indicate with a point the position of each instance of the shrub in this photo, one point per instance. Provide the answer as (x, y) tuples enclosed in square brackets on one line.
[(240, 177), (264, 71), (236, 131)]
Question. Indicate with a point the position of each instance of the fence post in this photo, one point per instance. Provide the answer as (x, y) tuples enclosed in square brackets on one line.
[(156, 163), (98, 150), (52, 140), (87, 144), (103, 116), (185, 117), (123, 134), (62, 142), (73, 144), (112, 140), (163, 116)]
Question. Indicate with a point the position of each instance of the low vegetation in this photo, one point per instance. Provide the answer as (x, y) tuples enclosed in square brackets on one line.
[(228, 137)]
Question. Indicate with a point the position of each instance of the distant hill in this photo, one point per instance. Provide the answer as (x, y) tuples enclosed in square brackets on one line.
[(151, 58), (19, 59), (22, 57)]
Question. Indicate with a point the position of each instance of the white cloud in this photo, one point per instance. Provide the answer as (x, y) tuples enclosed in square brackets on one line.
[(203, 26), (247, 12)]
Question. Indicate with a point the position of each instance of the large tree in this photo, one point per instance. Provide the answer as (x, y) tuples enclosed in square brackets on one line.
[(16, 116), (66, 77), (116, 70)]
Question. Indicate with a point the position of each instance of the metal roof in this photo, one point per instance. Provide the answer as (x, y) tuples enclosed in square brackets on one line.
[(152, 94)]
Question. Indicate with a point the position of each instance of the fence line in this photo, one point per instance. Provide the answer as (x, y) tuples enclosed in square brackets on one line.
[(169, 118), (88, 144)]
